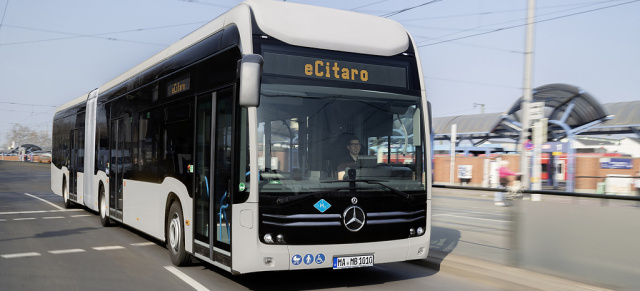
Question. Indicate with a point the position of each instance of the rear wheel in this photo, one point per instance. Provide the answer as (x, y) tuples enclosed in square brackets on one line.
[(175, 235), (65, 194), (104, 220)]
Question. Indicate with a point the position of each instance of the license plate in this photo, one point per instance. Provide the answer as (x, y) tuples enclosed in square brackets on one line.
[(352, 262)]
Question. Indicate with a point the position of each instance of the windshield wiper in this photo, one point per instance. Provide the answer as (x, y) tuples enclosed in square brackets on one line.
[(377, 182), (287, 199)]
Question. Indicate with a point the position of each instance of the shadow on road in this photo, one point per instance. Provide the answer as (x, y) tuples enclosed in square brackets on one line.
[(443, 242), (58, 233), (328, 278)]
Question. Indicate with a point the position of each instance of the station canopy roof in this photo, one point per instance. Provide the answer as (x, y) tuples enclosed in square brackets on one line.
[(626, 119), (562, 103)]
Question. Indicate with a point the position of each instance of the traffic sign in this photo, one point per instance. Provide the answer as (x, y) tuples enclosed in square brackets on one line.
[(528, 145), (536, 110)]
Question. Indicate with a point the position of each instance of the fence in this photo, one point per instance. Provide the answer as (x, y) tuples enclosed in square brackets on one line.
[(34, 159)]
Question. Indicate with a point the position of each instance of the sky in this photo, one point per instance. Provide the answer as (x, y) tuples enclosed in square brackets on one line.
[(472, 51)]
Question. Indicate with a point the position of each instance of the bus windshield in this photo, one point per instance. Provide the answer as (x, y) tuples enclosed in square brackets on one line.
[(310, 138)]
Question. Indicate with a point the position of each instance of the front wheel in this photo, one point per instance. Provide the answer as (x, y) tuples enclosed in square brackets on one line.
[(104, 219), (175, 235)]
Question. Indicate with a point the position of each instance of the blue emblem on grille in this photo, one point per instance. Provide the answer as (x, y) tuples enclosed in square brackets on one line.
[(322, 205)]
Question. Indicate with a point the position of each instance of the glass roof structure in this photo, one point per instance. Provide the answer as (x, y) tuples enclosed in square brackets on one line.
[(565, 104)]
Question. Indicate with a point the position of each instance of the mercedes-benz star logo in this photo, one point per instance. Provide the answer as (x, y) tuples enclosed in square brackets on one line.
[(353, 218)]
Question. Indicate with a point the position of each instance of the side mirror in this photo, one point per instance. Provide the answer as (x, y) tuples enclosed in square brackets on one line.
[(250, 78)]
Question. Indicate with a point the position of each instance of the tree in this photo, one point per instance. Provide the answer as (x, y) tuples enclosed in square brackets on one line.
[(23, 134)]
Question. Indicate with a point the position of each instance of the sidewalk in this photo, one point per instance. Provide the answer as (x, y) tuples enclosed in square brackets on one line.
[(500, 276), (472, 262)]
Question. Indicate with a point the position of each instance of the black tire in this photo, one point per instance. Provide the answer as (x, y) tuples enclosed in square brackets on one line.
[(175, 235), (65, 194), (103, 209)]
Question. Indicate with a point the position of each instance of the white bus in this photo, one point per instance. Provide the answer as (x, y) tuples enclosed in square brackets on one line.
[(225, 145)]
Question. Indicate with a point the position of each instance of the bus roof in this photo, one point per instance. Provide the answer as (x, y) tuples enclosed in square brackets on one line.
[(331, 29), (292, 23)]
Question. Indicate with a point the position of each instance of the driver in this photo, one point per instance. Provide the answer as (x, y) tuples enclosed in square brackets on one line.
[(349, 160)]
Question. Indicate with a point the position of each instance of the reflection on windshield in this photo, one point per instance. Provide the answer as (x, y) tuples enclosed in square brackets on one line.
[(310, 135)]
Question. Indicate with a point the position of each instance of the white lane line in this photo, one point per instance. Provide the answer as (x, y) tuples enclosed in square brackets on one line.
[(108, 248), (3, 220), (53, 217), (193, 283), (476, 218), (20, 255), (26, 218), (45, 201), (39, 211), (69, 251), (81, 215), (143, 244)]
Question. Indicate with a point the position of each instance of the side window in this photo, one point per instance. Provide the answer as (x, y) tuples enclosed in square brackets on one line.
[(178, 141), (149, 145)]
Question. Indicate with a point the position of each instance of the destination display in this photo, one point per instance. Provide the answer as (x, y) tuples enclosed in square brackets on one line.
[(328, 69), (178, 86)]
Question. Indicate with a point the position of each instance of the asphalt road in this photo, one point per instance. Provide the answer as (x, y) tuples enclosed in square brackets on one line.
[(43, 246)]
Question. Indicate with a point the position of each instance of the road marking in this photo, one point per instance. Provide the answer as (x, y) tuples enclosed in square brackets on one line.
[(47, 217), (193, 283), (45, 201), (69, 251), (39, 211), (20, 255), (108, 248), (143, 244)]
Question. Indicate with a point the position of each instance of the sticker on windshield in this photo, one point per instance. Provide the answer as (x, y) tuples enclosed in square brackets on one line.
[(242, 187)]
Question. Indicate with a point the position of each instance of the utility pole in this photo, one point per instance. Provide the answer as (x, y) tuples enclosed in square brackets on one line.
[(528, 94), (452, 161)]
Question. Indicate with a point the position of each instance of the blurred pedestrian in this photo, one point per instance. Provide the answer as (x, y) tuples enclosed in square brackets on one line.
[(506, 177)]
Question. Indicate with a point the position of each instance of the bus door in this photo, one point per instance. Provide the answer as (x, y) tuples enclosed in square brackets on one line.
[(213, 173), (116, 166), (73, 165)]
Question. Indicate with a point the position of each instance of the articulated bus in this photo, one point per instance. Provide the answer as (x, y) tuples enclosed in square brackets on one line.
[(225, 145)]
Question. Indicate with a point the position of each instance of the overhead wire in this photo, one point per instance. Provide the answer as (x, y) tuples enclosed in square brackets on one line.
[(506, 11), (4, 12), (523, 24), (473, 83), (370, 4), (394, 13), (517, 20), (16, 103), (96, 35)]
